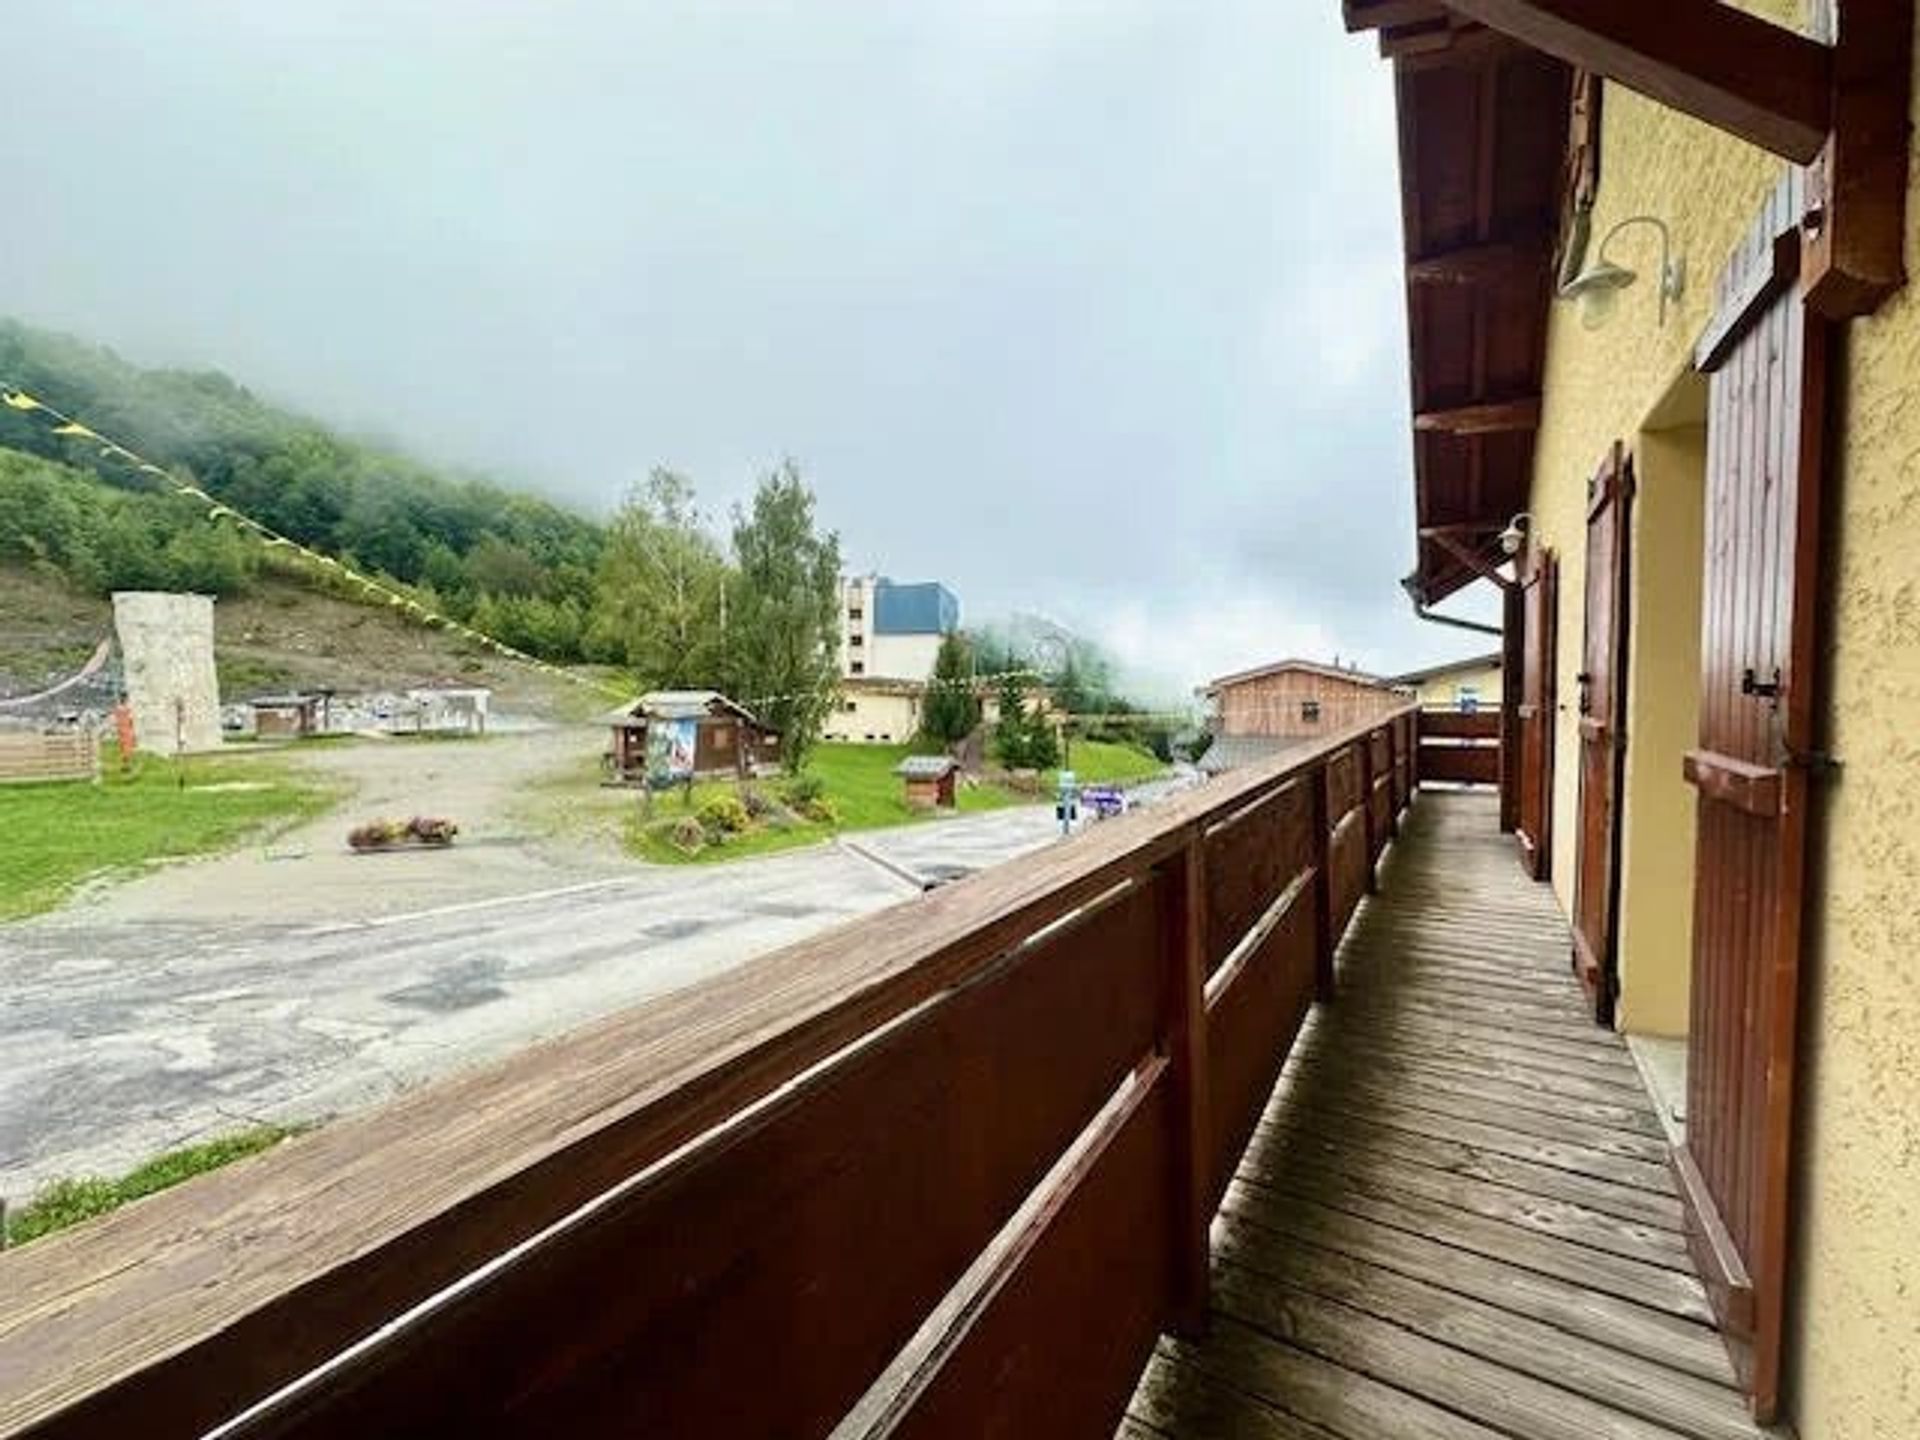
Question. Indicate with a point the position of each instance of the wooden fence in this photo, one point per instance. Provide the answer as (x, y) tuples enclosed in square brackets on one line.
[(29, 759), (948, 1168), (1460, 747)]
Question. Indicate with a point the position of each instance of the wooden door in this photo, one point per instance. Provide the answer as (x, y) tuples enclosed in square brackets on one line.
[(1602, 706), (1767, 359), (1533, 825), (1513, 630)]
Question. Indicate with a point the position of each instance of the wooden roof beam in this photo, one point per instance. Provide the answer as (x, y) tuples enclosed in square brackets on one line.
[(1426, 37), (1759, 81), (1470, 45), (1386, 14), (1445, 537), (1484, 419)]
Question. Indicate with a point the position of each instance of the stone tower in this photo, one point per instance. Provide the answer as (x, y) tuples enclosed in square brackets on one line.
[(166, 656)]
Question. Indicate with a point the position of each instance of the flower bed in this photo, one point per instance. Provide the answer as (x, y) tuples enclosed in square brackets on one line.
[(421, 832)]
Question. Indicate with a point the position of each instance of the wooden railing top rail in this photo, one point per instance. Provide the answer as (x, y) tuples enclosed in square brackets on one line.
[(292, 1257)]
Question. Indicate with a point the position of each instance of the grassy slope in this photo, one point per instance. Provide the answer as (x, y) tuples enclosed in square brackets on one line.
[(1099, 762), (59, 834), (280, 636), (867, 795)]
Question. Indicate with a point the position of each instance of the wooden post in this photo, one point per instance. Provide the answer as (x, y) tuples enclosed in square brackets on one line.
[(1369, 842), (1322, 884), (1393, 777), (1184, 879)]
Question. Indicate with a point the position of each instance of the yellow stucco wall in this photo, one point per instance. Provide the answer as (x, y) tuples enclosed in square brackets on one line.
[(1858, 1223), (1442, 690), (1663, 711), (876, 715), (1854, 1343), (1601, 384)]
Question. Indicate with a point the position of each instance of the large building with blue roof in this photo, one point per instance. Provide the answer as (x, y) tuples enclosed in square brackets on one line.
[(890, 633)]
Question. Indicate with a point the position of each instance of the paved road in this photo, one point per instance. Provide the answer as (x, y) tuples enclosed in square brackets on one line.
[(120, 1038)]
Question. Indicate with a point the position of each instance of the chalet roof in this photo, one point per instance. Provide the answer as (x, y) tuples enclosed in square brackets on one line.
[(677, 705), (1309, 667), (926, 767), (1231, 752), (1432, 672), (1483, 125)]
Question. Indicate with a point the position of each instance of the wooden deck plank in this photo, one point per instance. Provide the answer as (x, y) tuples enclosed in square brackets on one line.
[(1410, 1075), (1469, 1066), (1687, 1345), (1342, 1401), (1451, 1374), (1625, 1201), (1386, 1104), (1528, 1210), (1456, 1217)]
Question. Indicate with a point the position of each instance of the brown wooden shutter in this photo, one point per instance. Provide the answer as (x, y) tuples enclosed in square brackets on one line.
[(1767, 358)]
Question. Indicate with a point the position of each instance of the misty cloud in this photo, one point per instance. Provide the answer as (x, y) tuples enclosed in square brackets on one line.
[(1090, 308)]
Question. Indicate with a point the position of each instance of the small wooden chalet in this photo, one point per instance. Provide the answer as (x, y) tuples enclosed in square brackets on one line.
[(690, 734), (931, 781), (290, 716)]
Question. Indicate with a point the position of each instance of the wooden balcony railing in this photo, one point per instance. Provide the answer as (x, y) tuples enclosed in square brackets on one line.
[(948, 1170), (1460, 747)]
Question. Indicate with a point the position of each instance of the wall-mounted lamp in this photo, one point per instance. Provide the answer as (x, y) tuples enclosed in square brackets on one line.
[(1597, 282), (1515, 535)]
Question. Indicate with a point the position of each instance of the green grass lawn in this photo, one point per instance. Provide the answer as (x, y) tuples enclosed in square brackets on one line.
[(68, 1202), (59, 834), (866, 795), (1101, 762)]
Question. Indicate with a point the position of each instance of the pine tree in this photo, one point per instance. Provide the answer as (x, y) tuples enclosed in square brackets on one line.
[(952, 710), (1012, 736)]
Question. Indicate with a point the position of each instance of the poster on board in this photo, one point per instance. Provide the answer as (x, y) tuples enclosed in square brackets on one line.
[(670, 748)]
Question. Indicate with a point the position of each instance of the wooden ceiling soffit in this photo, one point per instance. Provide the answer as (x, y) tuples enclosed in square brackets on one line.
[(1494, 263), (1839, 108), (1489, 418)]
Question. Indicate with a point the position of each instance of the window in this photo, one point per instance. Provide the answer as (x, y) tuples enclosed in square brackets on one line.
[(856, 639), (855, 615), (1310, 712), (849, 707), (858, 667), (1466, 698)]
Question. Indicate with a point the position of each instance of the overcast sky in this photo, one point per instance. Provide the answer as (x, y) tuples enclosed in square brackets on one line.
[(1088, 309)]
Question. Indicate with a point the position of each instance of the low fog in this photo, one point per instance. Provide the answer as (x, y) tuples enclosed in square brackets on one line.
[(1090, 310)]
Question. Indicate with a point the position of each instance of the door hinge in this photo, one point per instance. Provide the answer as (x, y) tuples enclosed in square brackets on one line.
[(1752, 684), (1818, 764)]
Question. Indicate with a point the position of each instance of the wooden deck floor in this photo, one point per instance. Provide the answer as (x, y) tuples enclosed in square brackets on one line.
[(1456, 1219)]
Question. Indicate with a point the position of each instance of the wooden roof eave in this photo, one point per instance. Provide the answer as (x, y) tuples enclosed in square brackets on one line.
[(1479, 190)]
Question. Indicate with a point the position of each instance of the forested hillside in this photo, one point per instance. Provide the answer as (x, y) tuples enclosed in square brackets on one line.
[(512, 565)]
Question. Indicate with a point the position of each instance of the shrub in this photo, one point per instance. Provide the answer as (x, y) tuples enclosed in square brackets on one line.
[(759, 804), (803, 790), (821, 811), (723, 815), (687, 835)]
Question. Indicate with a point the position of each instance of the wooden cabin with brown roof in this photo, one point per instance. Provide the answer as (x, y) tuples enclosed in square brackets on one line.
[(1297, 700)]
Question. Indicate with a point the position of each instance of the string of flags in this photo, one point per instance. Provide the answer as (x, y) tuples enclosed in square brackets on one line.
[(67, 427)]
